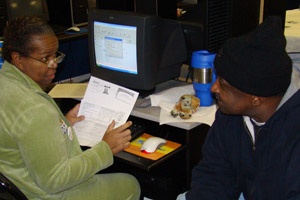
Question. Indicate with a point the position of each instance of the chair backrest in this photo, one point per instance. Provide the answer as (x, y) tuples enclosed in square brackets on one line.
[(8, 190)]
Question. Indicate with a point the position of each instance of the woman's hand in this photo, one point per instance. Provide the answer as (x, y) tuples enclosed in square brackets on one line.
[(72, 115), (119, 138)]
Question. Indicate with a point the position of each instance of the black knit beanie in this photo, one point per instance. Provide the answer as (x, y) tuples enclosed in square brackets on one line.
[(256, 63)]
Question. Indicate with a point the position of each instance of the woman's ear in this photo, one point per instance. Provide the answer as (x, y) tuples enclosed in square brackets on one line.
[(16, 60)]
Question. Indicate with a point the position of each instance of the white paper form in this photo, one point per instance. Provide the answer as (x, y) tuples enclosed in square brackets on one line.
[(102, 103)]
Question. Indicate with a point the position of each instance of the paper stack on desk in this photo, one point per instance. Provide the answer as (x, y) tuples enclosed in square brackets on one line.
[(103, 102), (68, 90)]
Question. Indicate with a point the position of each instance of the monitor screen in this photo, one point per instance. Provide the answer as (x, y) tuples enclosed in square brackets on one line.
[(115, 47), (36, 8), (134, 50)]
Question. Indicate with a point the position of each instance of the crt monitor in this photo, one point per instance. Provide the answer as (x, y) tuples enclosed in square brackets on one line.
[(36, 8), (134, 50)]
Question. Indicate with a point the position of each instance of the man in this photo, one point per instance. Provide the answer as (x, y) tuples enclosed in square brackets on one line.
[(253, 147)]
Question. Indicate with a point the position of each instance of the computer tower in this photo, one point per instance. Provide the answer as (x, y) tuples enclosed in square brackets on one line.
[(277, 8), (163, 8), (122, 5), (211, 22), (68, 13)]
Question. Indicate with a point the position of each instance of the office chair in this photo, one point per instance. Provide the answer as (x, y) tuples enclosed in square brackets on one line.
[(8, 191)]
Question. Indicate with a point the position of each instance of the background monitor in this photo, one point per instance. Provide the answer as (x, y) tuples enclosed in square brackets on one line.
[(36, 8), (163, 8), (134, 50), (68, 13)]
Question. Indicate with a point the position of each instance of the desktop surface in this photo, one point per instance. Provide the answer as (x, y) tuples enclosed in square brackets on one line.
[(159, 179), (62, 36), (152, 113)]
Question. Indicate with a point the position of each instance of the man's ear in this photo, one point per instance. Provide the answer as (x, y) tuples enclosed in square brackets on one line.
[(256, 100), (16, 60)]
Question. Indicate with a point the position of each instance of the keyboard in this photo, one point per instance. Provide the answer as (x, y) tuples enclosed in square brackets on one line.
[(136, 130)]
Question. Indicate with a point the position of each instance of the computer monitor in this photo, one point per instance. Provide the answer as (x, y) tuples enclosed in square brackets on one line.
[(36, 8), (134, 50)]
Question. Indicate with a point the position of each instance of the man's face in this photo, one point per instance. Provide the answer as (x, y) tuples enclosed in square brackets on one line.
[(231, 100), (45, 48)]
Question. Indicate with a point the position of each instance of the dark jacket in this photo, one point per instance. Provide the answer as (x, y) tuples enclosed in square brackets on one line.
[(231, 163)]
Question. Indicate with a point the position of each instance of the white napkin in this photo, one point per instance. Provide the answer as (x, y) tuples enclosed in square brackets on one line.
[(167, 99), (171, 95), (204, 115)]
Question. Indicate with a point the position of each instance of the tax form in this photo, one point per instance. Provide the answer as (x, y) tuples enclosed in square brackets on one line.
[(102, 103)]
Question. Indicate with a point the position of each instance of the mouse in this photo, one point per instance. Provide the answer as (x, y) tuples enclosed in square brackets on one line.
[(151, 144), (73, 29)]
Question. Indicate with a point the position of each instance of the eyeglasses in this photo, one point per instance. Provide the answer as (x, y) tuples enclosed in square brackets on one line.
[(59, 57)]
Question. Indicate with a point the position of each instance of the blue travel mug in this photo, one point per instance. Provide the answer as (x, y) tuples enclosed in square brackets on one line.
[(203, 75)]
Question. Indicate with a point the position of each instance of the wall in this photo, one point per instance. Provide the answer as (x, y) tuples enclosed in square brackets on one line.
[(76, 62)]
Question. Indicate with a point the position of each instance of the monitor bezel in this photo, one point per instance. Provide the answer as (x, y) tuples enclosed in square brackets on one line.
[(147, 66), (45, 15)]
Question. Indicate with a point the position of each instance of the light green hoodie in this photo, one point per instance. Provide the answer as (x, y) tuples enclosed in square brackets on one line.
[(39, 151)]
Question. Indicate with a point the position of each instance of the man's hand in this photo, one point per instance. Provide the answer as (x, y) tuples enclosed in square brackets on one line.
[(119, 138), (72, 115)]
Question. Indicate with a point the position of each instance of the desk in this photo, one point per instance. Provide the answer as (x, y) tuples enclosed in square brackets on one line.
[(64, 37), (170, 175)]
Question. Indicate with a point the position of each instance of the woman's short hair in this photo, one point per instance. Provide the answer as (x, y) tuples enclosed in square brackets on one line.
[(18, 33)]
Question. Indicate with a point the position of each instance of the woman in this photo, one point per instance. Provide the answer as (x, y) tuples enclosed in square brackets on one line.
[(39, 151)]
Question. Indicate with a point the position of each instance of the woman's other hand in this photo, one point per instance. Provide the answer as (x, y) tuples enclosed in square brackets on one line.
[(72, 115)]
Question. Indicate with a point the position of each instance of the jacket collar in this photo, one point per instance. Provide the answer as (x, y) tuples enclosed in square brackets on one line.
[(14, 73)]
